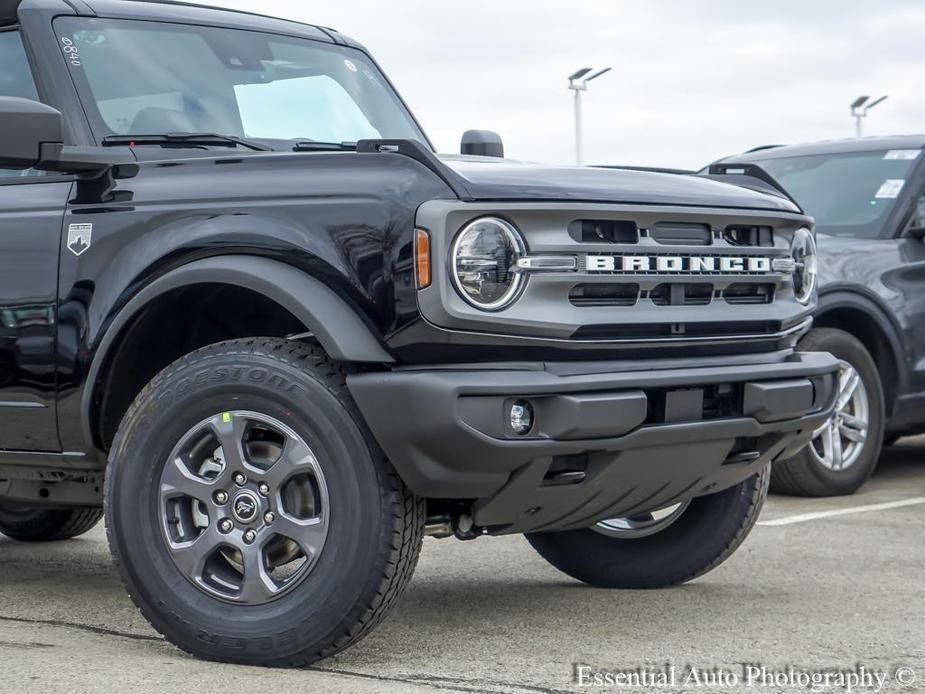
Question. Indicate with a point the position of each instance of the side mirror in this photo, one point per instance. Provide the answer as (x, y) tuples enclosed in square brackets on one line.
[(24, 127), (482, 143), (917, 233), (32, 136)]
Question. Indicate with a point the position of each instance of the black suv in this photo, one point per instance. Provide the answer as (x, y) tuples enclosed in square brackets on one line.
[(868, 200), (249, 312)]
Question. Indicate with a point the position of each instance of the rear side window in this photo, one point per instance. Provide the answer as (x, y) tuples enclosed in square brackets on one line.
[(15, 80)]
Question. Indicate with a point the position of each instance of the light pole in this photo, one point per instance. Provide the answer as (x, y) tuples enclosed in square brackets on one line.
[(578, 83), (859, 111)]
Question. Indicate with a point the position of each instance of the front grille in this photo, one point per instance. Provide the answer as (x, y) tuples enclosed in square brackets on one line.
[(648, 277)]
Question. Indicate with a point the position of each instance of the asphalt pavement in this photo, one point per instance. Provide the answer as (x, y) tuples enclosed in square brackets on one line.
[(821, 586)]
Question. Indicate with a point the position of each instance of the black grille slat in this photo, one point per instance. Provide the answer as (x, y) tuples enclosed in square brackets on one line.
[(594, 294), (604, 231), (647, 331), (749, 293), (682, 294), (682, 234), (749, 235)]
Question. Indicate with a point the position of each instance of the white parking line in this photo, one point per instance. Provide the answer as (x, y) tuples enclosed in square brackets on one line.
[(804, 517)]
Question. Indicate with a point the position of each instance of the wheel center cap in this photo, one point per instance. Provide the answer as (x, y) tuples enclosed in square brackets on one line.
[(245, 507)]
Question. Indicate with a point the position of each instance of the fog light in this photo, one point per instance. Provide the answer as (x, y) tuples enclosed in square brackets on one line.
[(521, 417)]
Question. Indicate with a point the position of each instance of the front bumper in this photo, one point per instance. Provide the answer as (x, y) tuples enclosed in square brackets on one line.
[(604, 444)]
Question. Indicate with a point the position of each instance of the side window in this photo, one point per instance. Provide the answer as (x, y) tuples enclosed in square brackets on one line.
[(919, 216), (15, 80), (917, 220)]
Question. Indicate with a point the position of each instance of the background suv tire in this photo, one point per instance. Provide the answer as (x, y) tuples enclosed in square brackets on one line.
[(306, 536), (675, 550), (36, 524), (844, 452)]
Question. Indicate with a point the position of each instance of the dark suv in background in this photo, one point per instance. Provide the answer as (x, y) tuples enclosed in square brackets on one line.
[(868, 199)]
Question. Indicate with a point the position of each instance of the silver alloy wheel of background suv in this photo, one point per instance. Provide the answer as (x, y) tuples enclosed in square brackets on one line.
[(838, 443)]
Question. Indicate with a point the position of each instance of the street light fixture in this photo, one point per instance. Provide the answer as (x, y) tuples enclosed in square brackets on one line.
[(859, 109), (578, 83)]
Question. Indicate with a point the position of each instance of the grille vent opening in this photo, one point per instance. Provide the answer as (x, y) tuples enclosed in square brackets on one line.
[(604, 294), (745, 235), (749, 293), (682, 294), (682, 234), (566, 470), (613, 331), (604, 231)]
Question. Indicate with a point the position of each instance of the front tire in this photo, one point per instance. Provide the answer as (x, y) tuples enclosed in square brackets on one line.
[(844, 451), (689, 544), (251, 515), (36, 524)]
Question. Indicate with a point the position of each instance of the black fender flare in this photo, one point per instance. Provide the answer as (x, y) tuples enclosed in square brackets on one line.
[(343, 334), (848, 298)]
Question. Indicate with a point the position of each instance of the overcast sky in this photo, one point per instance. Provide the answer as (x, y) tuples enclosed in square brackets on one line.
[(691, 81)]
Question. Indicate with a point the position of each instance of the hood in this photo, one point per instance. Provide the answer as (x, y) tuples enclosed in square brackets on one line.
[(487, 178)]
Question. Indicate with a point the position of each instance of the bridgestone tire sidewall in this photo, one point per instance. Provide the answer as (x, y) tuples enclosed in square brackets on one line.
[(200, 390)]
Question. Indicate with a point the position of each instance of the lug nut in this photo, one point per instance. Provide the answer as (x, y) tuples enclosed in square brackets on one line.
[(240, 479), (221, 497), (225, 525), (264, 488), (269, 517), (250, 536)]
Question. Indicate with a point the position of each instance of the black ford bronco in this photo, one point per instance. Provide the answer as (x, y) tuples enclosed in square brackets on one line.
[(249, 313)]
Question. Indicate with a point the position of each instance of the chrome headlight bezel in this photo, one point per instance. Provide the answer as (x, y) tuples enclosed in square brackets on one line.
[(805, 269), (517, 245)]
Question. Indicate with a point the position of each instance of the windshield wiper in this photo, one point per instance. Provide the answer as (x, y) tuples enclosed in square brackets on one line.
[(312, 146), (192, 139)]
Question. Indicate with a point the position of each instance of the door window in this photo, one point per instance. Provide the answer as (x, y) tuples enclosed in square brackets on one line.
[(918, 213), (15, 80)]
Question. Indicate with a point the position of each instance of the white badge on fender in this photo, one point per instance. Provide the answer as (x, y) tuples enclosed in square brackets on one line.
[(79, 238)]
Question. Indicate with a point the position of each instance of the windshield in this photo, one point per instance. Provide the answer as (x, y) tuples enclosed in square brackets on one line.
[(145, 78), (850, 193)]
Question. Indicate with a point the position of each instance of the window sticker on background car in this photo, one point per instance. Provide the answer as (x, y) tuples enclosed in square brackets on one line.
[(890, 188), (902, 154)]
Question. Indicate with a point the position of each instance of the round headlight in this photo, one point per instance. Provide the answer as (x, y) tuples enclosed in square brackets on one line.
[(484, 261), (803, 250)]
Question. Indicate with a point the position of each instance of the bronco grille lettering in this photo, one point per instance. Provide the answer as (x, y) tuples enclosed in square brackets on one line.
[(678, 264)]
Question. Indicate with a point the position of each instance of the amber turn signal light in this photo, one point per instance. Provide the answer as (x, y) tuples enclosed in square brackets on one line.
[(422, 258)]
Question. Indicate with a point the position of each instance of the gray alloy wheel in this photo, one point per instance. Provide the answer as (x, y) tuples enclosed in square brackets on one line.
[(244, 507), (643, 524), (838, 443)]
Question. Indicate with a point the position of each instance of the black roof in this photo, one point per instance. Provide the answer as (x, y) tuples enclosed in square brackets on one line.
[(856, 144)]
